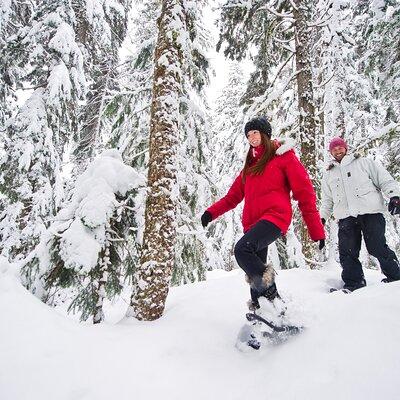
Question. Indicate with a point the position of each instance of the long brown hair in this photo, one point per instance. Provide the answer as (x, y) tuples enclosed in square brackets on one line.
[(258, 167)]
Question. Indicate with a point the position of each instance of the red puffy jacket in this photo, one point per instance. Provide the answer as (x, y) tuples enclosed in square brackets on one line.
[(267, 196)]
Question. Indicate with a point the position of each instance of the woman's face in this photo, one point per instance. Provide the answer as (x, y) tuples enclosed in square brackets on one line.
[(254, 138)]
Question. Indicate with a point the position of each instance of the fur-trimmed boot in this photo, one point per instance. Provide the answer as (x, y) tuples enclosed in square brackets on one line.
[(263, 286)]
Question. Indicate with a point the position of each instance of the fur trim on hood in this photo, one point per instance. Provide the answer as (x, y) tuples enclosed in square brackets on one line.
[(284, 145)]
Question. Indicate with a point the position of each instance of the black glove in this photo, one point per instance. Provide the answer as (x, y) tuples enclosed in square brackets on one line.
[(206, 218), (321, 244), (323, 221), (394, 205)]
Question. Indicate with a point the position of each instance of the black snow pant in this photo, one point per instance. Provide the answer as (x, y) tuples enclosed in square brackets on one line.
[(252, 249), (372, 228)]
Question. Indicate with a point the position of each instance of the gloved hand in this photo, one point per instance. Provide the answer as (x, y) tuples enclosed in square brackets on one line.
[(323, 221), (394, 205), (321, 244), (206, 218)]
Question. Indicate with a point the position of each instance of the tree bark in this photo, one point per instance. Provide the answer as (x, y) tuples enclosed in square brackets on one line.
[(157, 259), (308, 126)]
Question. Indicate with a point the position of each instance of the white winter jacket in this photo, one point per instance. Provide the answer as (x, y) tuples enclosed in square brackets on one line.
[(354, 187)]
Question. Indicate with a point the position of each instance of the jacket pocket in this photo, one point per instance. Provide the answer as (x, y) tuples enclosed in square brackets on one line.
[(365, 189)]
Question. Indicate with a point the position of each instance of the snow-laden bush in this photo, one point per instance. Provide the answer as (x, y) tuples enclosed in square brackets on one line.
[(87, 243)]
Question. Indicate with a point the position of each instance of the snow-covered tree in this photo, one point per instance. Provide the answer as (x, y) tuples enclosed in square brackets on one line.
[(157, 260), (128, 115), (13, 16), (101, 28), (51, 68), (193, 157), (228, 146), (85, 248), (278, 35)]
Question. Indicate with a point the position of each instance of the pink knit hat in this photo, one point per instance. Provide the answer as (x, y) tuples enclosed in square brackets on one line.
[(337, 141)]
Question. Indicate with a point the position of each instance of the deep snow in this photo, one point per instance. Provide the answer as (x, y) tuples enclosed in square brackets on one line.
[(349, 350)]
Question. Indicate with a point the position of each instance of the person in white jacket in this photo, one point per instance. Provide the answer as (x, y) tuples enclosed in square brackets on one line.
[(353, 189)]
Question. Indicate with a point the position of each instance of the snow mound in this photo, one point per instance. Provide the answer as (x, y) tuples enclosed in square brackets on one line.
[(348, 350)]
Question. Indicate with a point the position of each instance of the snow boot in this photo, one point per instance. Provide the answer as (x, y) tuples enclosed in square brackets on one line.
[(388, 280), (263, 286), (352, 288), (265, 298)]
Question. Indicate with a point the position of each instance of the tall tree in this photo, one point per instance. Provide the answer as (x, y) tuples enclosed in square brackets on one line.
[(101, 28), (194, 149), (308, 125), (129, 114), (280, 35), (155, 269), (50, 63)]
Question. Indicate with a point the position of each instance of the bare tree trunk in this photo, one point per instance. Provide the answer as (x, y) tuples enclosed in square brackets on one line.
[(158, 253), (308, 127)]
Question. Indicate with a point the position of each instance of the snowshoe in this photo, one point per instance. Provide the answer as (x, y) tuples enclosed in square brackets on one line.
[(347, 291), (249, 337)]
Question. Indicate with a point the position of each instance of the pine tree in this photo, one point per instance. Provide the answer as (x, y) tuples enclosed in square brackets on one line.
[(193, 154), (128, 113), (156, 264), (50, 64), (228, 146), (101, 28), (279, 36), (13, 16), (85, 248)]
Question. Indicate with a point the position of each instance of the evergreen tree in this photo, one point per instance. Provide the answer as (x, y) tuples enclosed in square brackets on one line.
[(228, 146), (157, 260), (128, 115), (193, 156), (13, 16), (280, 33), (101, 28), (50, 64), (85, 248)]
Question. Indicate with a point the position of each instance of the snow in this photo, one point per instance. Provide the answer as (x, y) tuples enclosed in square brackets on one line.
[(59, 84), (82, 223), (349, 349)]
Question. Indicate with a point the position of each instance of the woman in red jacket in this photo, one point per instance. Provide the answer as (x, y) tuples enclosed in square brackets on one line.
[(271, 172)]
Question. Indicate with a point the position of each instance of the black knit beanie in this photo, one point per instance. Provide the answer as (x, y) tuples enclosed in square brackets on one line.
[(258, 124)]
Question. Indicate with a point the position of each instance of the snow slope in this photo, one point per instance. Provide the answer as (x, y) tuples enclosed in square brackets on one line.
[(348, 351)]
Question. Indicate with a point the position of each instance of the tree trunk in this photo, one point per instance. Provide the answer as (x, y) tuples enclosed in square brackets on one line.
[(92, 113), (308, 127), (157, 260)]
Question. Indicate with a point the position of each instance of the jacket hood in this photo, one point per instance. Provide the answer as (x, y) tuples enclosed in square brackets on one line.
[(348, 158), (284, 145)]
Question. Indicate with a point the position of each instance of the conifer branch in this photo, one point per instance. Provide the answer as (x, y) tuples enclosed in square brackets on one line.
[(276, 13), (281, 68)]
